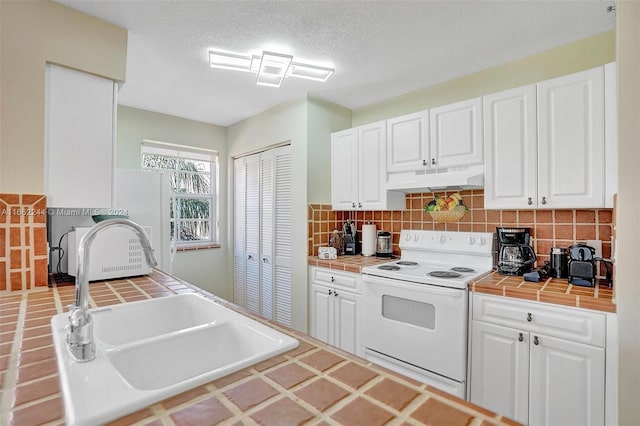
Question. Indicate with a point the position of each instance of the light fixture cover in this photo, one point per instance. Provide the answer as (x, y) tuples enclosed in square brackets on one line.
[(271, 67)]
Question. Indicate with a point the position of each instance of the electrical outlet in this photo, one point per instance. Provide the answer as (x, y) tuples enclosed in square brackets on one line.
[(596, 244)]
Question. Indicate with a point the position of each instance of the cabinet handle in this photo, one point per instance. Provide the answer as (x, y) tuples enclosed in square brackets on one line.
[(529, 201), (333, 279), (520, 337), (335, 293), (353, 205), (544, 200), (250, 257), (433, 161), (536, 341), (424, 162), (359, 205), (529, 317), (264, 260), (330, 292)]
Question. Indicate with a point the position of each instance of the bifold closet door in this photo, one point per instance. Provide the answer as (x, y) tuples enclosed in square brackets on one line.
[(262, 233)]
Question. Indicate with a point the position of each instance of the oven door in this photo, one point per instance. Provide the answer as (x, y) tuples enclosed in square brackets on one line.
[(423, 325)]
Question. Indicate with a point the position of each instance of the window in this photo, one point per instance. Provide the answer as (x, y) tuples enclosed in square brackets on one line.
[(194, 190)]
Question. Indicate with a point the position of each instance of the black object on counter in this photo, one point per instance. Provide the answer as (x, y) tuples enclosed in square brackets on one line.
[(515, 255), (582, 265)]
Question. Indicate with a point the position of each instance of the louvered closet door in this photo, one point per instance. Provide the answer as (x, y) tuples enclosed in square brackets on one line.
[(283, 237), (239, 277), (252, 233), (266, 233)]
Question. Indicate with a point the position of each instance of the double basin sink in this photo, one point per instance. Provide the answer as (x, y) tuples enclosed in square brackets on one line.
[(153, 349)]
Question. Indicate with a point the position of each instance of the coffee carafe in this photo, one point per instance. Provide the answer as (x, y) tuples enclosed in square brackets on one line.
[(515, 255)]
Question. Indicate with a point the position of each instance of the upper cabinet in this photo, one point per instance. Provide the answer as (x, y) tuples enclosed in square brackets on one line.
[(358, 170), (79, 139), (456, 134), (408, 146), (545, 145)]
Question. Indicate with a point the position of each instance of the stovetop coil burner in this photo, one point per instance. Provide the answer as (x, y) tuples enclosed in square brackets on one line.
[(462, 269), (444, 274), (407, 263), (389, 267)]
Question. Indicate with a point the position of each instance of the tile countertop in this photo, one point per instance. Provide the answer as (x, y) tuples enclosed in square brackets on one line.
[(312, 384), (349, 263), (553, 290)]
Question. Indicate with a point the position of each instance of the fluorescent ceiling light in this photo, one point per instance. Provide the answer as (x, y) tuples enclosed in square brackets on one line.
[(272, 68)]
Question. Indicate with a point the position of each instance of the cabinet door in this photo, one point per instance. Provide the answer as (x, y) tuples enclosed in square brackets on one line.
[(239, 232), (322, 322), (267, 209), (456, 134), (348, 323), (344, 169), (372, 144), (510, 149), (408, 142), (571, 141), (79, 139), (499, 377), (567, 382)]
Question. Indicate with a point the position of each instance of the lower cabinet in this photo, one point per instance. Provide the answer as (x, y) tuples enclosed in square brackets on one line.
[(533, 377), (336, 308)]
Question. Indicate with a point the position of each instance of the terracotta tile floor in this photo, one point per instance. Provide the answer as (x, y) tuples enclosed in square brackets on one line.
[(312, 384)]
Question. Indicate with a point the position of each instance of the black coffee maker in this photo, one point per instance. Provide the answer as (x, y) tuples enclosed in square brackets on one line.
[(515, 255)]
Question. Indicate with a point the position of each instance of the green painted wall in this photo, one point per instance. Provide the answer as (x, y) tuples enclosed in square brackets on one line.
[(580, 55)]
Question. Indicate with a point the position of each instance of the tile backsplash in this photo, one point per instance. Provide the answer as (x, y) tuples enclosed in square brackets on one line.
[(23, 242), (549, 228)]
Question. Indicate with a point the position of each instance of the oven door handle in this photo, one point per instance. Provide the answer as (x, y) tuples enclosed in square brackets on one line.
[(425, 289)]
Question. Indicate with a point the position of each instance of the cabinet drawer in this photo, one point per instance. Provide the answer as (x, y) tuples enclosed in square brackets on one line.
[(567, 323), (337, 279)]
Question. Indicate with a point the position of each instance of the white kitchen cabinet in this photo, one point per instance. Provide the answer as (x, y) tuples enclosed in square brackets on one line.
[(408, 147), (545, 145), (571, 140), (336, 308), (538, 363), (456, 134), (262, 233), (358, 170), (80, 120), (510, 148), (500, 370)]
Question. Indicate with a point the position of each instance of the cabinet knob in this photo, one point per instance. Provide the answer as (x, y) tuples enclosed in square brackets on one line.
[(536, 341), (333, 279), (529, 317), (353, 205), (335, 293), (264, 260), (520, 337), (359, 205), (250, 257), (433, 161), (424, 162), (330, 292), (529, 201), (544, 200)]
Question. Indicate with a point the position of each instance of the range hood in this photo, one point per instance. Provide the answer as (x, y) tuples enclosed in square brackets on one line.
[(443, 180)]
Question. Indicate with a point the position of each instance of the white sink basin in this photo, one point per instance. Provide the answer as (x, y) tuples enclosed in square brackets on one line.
[(152, 349)]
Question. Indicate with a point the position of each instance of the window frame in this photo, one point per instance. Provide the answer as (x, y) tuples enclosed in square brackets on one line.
[(188, 153)]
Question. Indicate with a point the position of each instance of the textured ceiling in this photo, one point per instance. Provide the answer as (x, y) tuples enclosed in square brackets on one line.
[(380, 49)]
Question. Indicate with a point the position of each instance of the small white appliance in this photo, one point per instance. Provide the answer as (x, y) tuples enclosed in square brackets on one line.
[(416, 307), (115, 253)]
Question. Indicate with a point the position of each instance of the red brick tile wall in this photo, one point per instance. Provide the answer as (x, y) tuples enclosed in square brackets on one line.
[(23, 242), (549, 228)]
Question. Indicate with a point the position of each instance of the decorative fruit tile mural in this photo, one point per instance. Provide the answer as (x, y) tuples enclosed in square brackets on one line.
[(549, 228), (23, 242)]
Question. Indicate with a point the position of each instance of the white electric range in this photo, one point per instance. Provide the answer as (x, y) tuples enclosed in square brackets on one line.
[(416, 307)]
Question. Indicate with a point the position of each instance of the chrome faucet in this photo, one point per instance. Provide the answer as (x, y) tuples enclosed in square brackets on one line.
[(80, 336)]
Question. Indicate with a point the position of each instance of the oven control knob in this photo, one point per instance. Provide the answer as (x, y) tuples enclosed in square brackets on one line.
[(471, 241), (416, 237), (443, 239), (482, 241), (407, 237)]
